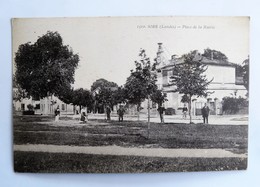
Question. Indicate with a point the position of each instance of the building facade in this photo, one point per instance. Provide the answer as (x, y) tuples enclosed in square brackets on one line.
[(49, 104), (44, 106), (224, 83)]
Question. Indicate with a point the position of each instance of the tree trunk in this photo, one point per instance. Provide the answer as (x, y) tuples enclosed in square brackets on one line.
[(148, 106), (66, 110), (190, 108), (74, 109), (51, 107), (105, 112), (138, 112)]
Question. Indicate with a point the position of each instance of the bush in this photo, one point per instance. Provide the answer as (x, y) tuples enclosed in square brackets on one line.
[(231, 105), (28, 112), (37, 106), (169, 111), (30, 107)]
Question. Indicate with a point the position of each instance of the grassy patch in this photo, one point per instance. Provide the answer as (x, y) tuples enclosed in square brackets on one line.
[(27, 129), (82, 163)]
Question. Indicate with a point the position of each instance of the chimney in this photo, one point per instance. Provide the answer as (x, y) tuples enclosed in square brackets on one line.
[(160, 50), (211, 55)]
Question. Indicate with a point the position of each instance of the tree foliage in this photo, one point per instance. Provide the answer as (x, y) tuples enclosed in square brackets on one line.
[(189, 78), (142, 81), (214, 54), (30, 107), (231, 105), (82, 97), (105, 97), (102, 83), (105, 94), (239, 70), (119, 95), (67, 95), (18, 92), (246, 73), (158, 97), (45, 67), (185, 98)]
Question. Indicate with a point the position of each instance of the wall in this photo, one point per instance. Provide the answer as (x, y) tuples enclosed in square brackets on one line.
[(222, 85), (49, 104)]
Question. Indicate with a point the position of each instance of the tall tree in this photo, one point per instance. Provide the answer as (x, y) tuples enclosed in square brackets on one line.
[(104, 94), (45, 67), (82, 97), (189, 78), (141, 83)]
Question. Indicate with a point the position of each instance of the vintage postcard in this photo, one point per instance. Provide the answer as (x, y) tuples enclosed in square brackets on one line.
[(130, 94)]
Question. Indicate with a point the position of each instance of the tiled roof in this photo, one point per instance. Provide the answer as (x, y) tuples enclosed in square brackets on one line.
[(204, 60)]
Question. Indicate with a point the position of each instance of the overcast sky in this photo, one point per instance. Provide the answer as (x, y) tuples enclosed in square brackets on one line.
[(108, 47)]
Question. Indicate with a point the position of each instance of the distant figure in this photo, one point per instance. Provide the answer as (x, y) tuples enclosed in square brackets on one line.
[(161, 110), (83, 117), (121, 112), (205, 113), (184, 112), (108, 112), (57, 113)]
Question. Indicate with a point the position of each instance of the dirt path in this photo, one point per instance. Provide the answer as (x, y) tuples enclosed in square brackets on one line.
[(117, 150)]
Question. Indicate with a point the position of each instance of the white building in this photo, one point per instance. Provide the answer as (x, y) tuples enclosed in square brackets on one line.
[(49, 104), (43, 106), (22, 104), (225, 83)]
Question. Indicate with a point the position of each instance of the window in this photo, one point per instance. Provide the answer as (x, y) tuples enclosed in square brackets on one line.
[(165, 77), (22, 106), (62, 107), (198, 105), (37, 106), (170, 73)]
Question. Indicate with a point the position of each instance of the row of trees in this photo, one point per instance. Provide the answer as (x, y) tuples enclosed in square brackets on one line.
[(140, 85), (47, 68)]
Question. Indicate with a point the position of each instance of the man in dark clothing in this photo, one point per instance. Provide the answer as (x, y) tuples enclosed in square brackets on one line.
[(205, 113), (83, 117), (108, 111), (161, 110), (184, 112), (57, 113), (121, 112)]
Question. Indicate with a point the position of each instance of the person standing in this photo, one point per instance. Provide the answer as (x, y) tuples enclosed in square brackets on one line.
[(108, 112), (57, 113), (121, 112), (84, 115), (161, 110), (205, 114), (184, 112)]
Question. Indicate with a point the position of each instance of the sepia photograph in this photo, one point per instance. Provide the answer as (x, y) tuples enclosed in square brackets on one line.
[(130, 94)]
